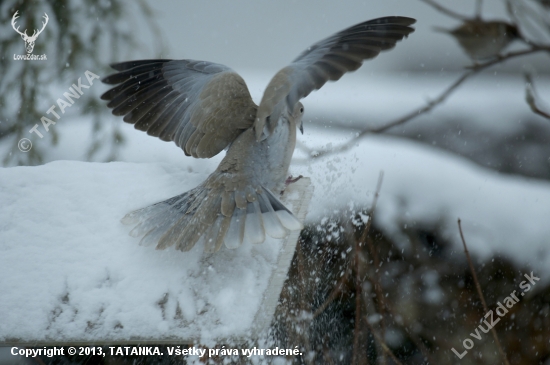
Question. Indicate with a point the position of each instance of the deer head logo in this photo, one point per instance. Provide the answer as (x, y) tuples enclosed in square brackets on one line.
[(29, 41)]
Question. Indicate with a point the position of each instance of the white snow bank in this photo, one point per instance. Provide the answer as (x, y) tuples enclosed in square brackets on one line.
[(501, 214), (69, 271)]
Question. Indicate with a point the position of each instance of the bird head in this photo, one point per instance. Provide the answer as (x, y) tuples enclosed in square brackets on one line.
[(297, 115)]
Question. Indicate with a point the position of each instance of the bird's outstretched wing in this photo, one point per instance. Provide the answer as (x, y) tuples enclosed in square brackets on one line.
[(328, 60), (199, 105)]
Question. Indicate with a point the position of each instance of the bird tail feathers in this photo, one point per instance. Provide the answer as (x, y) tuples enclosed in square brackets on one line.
[(212, 218)]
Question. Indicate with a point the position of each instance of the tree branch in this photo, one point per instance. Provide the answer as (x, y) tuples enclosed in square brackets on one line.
[(358, 281), (472, 70), (531, 97), (480, 293)]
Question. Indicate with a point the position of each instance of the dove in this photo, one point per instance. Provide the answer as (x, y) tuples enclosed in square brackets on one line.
[(205, 108), (483, 40)]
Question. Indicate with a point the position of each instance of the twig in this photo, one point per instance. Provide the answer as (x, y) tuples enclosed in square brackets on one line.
[(478, 287), (373, 207), (358, 291), (531, 97), (473, 69), (327, 357), (377, 283), (446, 11), (534, 49), (418, 342), (337, 289), (358, 287), (303, 303), (382, 343), (378, 289), (428, 107)]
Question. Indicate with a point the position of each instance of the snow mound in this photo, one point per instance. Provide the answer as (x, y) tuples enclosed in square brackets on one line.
[(501, 215), (70, 272)]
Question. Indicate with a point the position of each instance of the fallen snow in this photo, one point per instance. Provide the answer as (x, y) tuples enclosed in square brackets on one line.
[(69, 271), (60, 230), (501, 214)]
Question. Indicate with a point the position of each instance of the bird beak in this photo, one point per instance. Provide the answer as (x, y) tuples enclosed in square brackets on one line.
[(302, 126)]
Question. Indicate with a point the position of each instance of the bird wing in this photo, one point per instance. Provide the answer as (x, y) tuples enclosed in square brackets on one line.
[(328, 60), (201, 106)]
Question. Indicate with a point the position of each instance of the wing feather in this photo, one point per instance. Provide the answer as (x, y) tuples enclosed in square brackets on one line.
[(201, 106), (346, 50), (327, 60)]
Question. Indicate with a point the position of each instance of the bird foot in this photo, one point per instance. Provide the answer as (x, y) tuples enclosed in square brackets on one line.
[(290, 180)]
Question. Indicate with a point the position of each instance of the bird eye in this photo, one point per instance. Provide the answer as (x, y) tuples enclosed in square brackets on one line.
[(301, 109)]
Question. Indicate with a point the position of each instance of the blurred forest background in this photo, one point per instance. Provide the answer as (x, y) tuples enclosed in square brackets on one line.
[(338, 305)]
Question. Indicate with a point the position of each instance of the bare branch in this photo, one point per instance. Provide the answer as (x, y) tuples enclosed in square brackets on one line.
[(531, 97), (480, 293), (383, 344), (534, 49), (358, 281), (335, 291), (407, 117), (472, 70)]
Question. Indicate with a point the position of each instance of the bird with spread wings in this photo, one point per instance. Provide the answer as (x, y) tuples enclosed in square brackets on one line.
[(205, 107)]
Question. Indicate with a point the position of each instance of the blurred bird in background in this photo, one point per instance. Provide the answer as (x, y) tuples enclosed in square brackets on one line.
[(483, 40), (480, 39), (205, 108)]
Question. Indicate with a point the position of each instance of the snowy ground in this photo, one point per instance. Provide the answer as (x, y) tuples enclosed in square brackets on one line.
[(63, 244), (502, 215)]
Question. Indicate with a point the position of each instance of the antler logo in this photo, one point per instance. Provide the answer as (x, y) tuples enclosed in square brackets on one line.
[(29, 41)]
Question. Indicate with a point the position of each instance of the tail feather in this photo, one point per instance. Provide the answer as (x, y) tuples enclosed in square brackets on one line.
[(235, 234), (254, 227), (156, 216), (228, 203), (211, 236), (163, 220), (153, 236), (213, 217), (289, 220), (285, 216), (216, 235), (273, 226), (240, 199), (183, 213), (202, 219), (137, 215)]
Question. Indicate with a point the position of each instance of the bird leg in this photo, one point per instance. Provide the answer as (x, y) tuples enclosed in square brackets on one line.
[(289, 181)]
